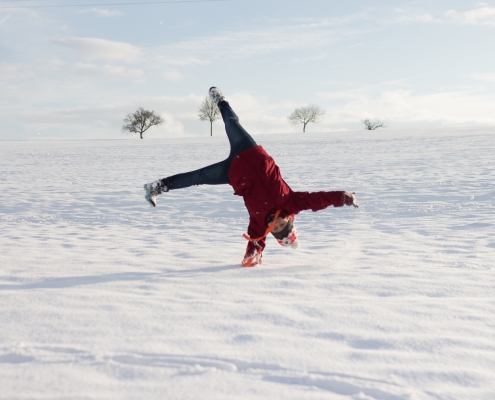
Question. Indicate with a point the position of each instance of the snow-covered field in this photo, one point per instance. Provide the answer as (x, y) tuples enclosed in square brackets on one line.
[(103, 297)]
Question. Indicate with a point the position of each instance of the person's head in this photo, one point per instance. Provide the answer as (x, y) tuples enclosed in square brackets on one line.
[(285, 232)]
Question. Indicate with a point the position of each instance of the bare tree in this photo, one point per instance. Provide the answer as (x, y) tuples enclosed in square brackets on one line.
[(372, 125), (141, 121), (208, 111), (305, 115)]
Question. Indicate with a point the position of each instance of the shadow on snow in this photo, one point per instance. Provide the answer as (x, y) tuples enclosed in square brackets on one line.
[(72, 281)]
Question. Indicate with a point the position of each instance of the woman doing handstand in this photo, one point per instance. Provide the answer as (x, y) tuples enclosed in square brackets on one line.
[(253, 174)]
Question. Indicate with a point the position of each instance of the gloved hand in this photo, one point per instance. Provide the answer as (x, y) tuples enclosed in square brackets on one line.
[(252, 258), (350, 199)]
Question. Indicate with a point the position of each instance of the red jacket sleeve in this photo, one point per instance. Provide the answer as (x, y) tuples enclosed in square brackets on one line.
[(314, 201), (255, 230)]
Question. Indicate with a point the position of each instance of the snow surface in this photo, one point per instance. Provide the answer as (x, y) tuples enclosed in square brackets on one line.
[(104, 297)]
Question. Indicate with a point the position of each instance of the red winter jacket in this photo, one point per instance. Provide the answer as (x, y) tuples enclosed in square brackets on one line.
[(254, 175)]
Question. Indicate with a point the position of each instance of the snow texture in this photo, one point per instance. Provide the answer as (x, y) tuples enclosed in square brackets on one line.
[(103, 297)]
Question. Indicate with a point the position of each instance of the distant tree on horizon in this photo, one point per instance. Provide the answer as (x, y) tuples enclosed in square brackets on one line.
[(141, 121), (208, 111), (372, 125), (305, 115)]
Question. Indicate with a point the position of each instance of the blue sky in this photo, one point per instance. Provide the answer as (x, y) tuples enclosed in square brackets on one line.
[(74, 72)]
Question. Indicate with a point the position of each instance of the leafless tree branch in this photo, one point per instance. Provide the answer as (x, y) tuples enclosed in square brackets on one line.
[(305, 115), (208, 111), (141, 121), (372, 125)]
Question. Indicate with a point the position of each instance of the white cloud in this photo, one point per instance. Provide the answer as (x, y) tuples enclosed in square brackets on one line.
[(414, 16), (173, 75), (92, 48), (183, 61), (12, 72), (102, 12), (4, 19), (17, 72), (248, 43), (488, 77), (402, 107), (484, 15), (83, 117), (106, 71), (172, 125)]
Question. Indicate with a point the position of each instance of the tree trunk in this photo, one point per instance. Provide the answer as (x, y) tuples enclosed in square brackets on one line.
[(304, 128), (211, 128), (141, 134)]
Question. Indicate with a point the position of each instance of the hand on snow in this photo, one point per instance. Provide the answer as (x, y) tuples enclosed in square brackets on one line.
[(350, 199), (252, 258)]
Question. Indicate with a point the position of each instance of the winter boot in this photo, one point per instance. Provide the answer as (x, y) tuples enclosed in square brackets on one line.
[(216, 95), (152, 190)]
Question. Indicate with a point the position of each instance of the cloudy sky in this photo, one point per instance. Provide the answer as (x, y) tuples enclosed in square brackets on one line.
[(74, 72)]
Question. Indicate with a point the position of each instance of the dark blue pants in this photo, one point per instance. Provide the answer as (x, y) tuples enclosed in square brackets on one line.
[(216, 174)]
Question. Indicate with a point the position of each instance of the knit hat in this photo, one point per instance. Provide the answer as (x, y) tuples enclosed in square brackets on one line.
[(291, 240), (288, 236)]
